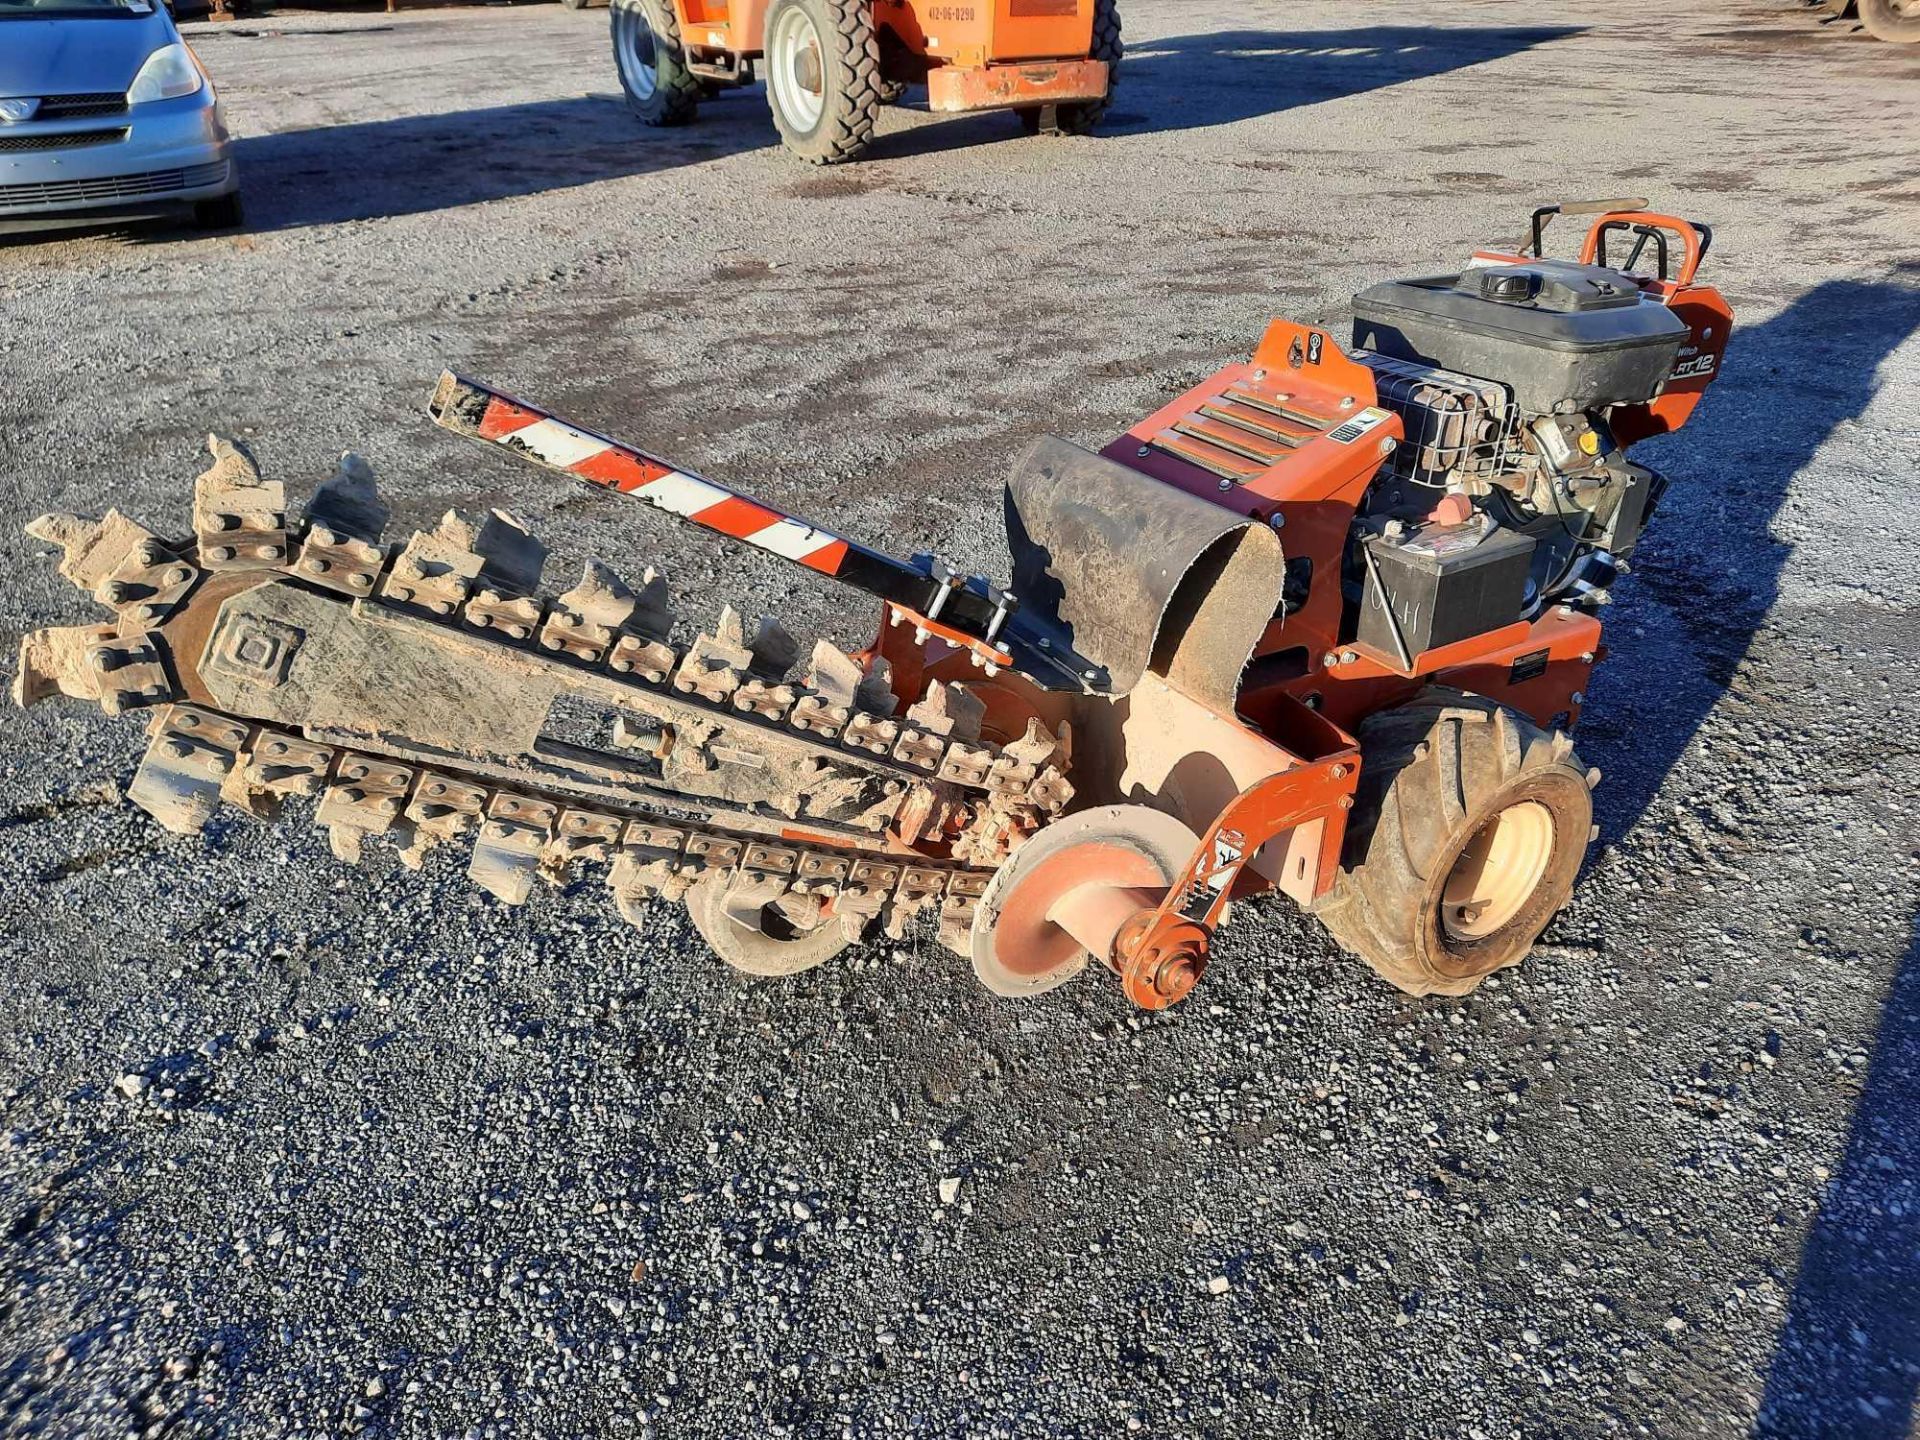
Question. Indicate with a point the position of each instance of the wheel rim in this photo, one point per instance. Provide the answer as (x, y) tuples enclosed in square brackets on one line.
[(636, 51), (796, 69), (1498, 871)]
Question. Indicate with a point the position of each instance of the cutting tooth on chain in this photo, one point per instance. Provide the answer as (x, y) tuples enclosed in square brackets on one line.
[(92, 550), (585, 621), (437, 569), (441, 810), (506, 854), (286, 764), (716, 664), (348, 502), (364, 799), (188, 760), (950, 710), (346, 517), (59, 662), (503, 594), (239, 519), (579, 835), (652, 607), (775, 651)]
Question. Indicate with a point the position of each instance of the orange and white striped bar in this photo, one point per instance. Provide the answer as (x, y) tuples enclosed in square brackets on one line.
[(470, 408)]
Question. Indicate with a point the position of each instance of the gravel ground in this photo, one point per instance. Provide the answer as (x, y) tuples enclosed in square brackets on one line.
[(292, 1150)]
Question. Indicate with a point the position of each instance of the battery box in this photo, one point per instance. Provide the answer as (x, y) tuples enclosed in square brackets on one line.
[(1442, 583)]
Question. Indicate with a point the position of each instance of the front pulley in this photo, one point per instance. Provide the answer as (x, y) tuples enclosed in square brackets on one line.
[(1087, 888)]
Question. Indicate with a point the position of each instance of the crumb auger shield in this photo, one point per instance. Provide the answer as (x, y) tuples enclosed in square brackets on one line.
[(1322, 625)]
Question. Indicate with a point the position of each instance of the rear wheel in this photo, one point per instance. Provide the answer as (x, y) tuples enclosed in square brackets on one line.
[(1469, 829), (652, 65), (1895, 20), (1080, 119), (774, 938), (822, 69)]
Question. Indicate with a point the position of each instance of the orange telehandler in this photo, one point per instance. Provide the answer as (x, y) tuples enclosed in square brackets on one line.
[(830, 64)]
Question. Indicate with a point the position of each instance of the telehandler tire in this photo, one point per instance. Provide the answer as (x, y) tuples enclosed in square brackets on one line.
[(1467, 833), (1895, 20), (1080, 119), (822, 67), (652, 65)]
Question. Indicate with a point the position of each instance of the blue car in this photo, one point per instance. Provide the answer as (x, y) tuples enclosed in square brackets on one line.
[(105, 112)]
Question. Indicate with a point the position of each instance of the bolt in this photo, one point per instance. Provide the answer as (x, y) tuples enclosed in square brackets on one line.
[(1347, 657), (1145, 450), (152, 612), (220, 552), (267, 552), (151, 554), (118, 592), (179, 749), (1579, 697), (316, 566), (1277, 520), (179, 575), (1226, 485), (276, 747), (189, 720), (1339, 772), (360, 582)]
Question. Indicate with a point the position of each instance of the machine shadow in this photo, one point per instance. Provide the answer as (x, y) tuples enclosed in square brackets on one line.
[(1710, 557), (1190, 82), (1848, 1358), (417, 163)]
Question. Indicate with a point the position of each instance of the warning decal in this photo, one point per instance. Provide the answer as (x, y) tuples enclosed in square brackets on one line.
[(1351, 430)]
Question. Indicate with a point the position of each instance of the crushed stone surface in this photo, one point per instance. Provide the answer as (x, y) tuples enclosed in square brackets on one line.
[(288, 1149)]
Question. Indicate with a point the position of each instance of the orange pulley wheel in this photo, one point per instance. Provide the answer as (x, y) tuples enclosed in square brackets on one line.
[(1070, 895)]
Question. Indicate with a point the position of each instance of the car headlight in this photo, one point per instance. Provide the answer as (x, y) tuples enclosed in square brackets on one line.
[(168, 74)]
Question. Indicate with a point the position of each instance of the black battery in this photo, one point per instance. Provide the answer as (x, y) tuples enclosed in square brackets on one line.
[(1440, 584)]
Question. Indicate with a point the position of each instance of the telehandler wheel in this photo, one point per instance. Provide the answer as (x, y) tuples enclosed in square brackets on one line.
[(1080, 119), (1895, 20), (1469, 828), (774, 940), (822, 66), (653, 67)]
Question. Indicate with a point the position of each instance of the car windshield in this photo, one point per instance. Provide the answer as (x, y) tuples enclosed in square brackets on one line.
[(43, 8)]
